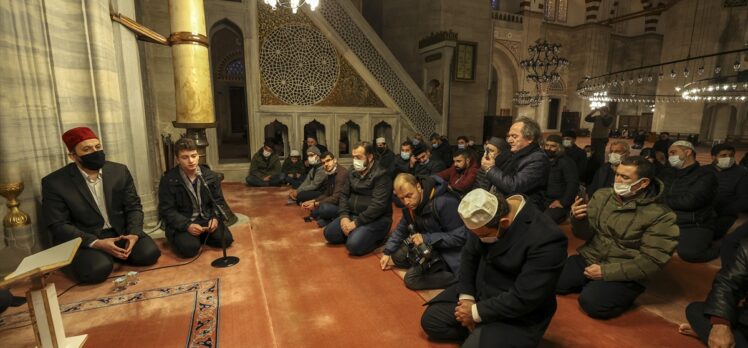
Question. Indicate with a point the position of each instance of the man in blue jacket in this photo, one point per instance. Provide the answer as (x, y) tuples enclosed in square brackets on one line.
[(508, 272), (429, 218)]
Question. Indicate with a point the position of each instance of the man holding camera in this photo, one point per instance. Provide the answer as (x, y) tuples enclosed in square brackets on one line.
[(429, 238), (509, 268)]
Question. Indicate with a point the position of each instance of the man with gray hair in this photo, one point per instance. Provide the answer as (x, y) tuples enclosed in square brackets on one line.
[(690, 191), (606, 174), (526, 172)]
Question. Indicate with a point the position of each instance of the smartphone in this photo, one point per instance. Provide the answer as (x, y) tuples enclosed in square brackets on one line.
[(583, 194)]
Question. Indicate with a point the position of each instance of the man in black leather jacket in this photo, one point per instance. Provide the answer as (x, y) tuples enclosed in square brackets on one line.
[(721, 321), (526, 172), (690, 191), (184, 204)]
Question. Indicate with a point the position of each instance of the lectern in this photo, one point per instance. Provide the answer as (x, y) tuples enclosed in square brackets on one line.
[(42, 298)]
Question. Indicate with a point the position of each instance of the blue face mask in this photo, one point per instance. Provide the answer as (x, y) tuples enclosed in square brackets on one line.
[(405, 155)]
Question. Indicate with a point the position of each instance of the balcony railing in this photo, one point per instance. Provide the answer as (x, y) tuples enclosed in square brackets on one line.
[(506, 17)]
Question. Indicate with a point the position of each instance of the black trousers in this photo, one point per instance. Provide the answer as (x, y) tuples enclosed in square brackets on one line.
[(695, 244), (187, 245), (557, 214), (730, 245), (304, 196), (598, 149), (598, 298), (702, 326), (437, 276), (93, 266), (439, 323)]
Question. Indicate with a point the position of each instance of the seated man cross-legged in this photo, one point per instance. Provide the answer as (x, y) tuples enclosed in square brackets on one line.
[(325, 207), (630, 235), (96, 200), (365, 205), (430, 220), (314, 183), (510, 264), (184, 204)]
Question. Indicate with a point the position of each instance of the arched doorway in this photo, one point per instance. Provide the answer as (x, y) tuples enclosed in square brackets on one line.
[(230, 92)]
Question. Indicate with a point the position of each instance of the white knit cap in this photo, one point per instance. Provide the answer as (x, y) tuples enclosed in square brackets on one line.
[(477, 208), (380, 140), (683, 143), (295, 153)]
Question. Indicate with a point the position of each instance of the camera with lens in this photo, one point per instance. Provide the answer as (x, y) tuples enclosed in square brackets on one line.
[(418, 254)]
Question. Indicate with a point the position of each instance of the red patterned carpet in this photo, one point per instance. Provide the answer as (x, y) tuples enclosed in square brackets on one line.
[(292, 290)]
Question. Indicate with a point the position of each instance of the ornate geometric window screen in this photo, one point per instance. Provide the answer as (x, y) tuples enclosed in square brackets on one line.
[(234, 70), (299, 65)]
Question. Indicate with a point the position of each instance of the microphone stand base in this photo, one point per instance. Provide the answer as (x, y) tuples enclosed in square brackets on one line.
[(226, 261)]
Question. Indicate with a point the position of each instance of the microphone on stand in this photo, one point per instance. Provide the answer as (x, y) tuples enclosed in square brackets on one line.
[(224, 261)]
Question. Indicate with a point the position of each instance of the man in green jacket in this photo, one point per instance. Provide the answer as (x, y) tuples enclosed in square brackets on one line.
[(630, 235), (265, 168)]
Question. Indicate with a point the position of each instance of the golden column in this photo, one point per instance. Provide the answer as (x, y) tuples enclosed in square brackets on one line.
[(194, 92)]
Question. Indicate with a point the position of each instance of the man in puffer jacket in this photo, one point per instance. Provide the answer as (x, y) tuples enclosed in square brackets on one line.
[(365, 205), (430, 210), (630, 235), (690, 190), (526, 172)]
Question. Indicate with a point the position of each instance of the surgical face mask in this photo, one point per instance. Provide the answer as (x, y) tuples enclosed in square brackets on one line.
[(94, 160), (566, 143), (725, 162), (313, 160), (589, 154), (624, 190), (471, 143), (405, 155), (416, 142), (425, 162), (359, 165), (551, 154), (461, 146), (266, 153), (675, 161), (490, 240), (434, 145), (614, 158)]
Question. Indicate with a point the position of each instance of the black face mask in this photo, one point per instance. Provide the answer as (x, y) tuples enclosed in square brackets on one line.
[(551, 154), (94, 160)]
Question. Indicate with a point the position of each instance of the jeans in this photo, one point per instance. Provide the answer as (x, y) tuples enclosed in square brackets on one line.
[(361, 241), (275, 180), (325, 213)]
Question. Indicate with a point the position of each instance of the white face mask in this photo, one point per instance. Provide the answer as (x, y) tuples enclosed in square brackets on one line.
[(589, 154), (405, 155), (461, 146), (725, 162), (624, 190), (490, 240), (566, 143), (359, 165), (675, 161), (614, 158), (266, 153), (313, 160), (471, 143)]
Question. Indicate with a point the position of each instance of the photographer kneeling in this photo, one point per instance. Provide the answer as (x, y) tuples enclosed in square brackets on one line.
[(429, 238)]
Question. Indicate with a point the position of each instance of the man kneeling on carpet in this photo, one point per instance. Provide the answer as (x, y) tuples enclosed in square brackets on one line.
[(510, 264), (325, 207), (630, 235), (365, 205), (429, 238), (184, 204), (96, 200)]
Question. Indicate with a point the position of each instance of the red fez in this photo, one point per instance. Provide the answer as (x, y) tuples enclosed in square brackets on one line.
[(74, 136)]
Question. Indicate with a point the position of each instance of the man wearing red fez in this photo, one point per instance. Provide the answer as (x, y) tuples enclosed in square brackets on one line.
[(96, 200)]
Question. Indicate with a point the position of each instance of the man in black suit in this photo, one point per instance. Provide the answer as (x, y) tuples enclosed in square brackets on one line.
[(96, 200), (184, 204), (508, 273)]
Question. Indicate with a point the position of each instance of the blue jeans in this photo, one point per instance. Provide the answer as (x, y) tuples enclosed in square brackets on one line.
[(275, 180), (294, 182), (361, 241), (325, 213)]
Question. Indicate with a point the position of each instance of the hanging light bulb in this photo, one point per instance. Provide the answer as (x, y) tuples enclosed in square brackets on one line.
[(639, 79), (700, 71), (660, 76), (685, 72), (736, 65), (272, 3), (673, 74), (717, 70), (649, 77), (294, 6)]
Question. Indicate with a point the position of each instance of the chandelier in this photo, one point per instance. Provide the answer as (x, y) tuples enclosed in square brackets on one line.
[(544, 64), (294, 5), (715, 91), (524, 98)]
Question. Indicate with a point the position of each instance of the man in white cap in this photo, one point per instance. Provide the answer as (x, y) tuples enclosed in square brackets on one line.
[(293, 170), (690, 191), (510, 264), (384, 156)]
